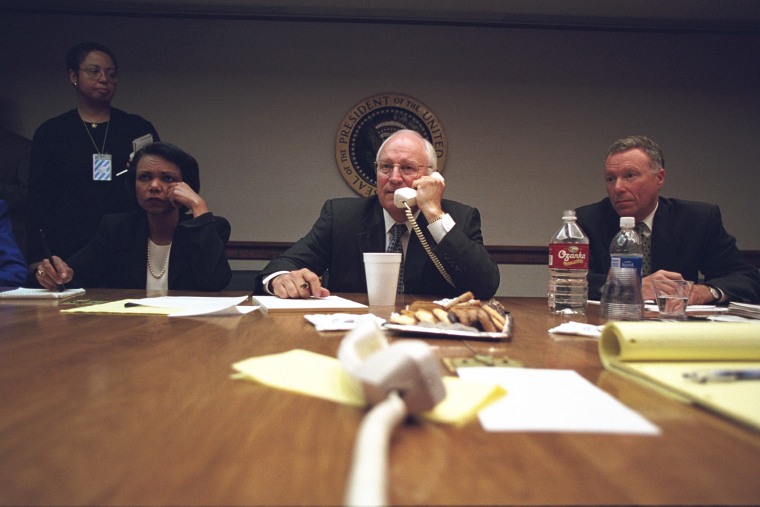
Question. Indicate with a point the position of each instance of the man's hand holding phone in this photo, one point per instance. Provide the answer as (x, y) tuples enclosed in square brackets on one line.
[(429, 195)]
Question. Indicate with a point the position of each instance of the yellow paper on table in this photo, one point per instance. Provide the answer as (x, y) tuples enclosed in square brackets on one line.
[(658, 354), (320, 376)]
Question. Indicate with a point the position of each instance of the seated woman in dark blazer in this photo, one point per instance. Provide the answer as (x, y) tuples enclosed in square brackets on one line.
[(172, 242)]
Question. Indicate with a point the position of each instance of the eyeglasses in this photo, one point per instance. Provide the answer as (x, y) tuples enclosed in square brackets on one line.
[(94, 73), (386, 168)]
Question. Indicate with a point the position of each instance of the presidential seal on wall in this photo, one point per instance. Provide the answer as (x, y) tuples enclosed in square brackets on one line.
[(369, 123)]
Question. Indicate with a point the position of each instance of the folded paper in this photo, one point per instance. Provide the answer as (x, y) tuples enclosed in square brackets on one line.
[(173, 306), (337, 321), (577, 328)]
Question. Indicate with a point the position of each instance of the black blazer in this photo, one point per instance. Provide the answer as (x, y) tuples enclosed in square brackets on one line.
[(117, 256), (348, 227), (687, 237)]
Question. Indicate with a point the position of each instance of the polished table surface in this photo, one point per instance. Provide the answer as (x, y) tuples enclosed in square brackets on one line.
[(111, 409)]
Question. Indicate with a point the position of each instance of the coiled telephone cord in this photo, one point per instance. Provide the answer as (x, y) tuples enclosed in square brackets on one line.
[(421, 237)]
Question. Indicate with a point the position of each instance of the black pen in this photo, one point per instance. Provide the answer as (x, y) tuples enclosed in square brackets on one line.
[(727, 375), (49, 255)]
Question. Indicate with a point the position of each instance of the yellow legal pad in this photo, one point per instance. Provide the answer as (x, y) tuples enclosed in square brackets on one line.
[(320, 376), (658, 354)]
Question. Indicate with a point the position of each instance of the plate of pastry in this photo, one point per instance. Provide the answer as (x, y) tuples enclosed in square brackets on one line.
[(461, 317)]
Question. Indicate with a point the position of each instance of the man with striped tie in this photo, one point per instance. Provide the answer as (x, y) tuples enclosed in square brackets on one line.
[(330, 257), (682, 239)]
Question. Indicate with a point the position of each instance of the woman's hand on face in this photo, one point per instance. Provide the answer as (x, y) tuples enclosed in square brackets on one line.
[(181, 194), (51, 275)]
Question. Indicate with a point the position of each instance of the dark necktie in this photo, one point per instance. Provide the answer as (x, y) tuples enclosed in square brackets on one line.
[(646, 242), (395, 246)]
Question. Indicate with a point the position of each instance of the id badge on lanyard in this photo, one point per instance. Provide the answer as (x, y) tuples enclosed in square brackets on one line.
[(101, 167)]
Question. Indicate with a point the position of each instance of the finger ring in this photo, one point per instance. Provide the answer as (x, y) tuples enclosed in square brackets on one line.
[(40, 272), (304, 285)]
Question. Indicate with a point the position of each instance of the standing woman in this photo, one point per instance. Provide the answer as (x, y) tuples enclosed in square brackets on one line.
[(76, 158), (172, 241)]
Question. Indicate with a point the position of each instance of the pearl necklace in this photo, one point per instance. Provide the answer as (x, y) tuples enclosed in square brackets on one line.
[(150, 265)]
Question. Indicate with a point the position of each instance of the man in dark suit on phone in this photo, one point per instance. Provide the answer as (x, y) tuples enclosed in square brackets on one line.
[(687, 239), (329, 257)]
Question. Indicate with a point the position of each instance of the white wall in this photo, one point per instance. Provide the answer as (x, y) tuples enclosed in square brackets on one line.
[(528, 113)]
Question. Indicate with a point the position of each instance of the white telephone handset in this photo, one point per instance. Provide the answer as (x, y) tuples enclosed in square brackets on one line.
[(377, 367), (397, 379), (406, 197)]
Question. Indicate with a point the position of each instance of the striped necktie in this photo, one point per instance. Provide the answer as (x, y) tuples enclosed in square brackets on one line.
[(395, 246), (646, 242)]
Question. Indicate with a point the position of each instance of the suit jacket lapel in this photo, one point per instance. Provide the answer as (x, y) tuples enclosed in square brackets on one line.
[(371, 237)]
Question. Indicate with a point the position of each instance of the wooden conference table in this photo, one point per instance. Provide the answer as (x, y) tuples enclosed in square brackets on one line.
[(106, 409)]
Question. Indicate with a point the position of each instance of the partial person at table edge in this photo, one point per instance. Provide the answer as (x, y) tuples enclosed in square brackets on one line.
[(172, 242), (78, 158), (687, 238), (12, 264), (329, 258), (14, 177)]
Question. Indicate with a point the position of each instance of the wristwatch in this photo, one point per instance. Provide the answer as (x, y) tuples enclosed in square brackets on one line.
[(717, 294)]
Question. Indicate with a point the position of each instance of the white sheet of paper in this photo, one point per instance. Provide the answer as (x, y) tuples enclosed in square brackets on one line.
[(543, 400), (335, 303)]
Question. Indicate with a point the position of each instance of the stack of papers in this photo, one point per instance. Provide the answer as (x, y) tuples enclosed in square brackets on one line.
[(651, 307), (328, 304), (24, 293), (744, 310)]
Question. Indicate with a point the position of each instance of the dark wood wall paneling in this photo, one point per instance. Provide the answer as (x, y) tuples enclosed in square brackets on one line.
[(502, 254)]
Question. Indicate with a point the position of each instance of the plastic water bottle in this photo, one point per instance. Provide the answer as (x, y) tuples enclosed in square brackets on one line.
[(568, 268), (626, 249), (621, 295)]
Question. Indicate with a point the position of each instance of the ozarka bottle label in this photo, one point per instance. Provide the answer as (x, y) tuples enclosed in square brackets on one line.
[(568, 256)]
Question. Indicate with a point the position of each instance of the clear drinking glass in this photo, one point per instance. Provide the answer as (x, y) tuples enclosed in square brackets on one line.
[(672, 296)]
